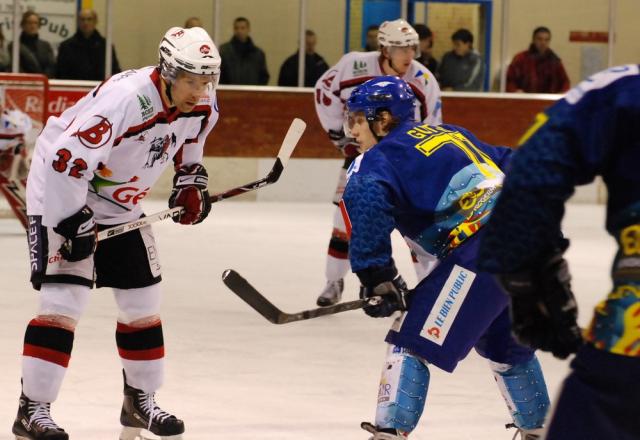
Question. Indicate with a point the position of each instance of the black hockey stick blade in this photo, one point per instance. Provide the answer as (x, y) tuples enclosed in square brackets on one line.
[(262, 305)]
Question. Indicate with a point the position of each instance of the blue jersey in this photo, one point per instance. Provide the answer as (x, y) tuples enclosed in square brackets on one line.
[(436, 185), (594, 130)]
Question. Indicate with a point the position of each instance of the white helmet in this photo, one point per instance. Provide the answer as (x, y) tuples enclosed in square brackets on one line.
[(397, 33), (15, 121), (188, 50)]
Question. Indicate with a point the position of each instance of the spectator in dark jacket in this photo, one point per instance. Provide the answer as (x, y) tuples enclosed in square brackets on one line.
[(461, 69), (242, 61), (82, 55), (371, 43), (426, 46), (36, 55), (314, 65), (537, 70)]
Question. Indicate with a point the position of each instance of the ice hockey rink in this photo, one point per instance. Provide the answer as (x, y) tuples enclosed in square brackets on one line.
[(232, 375)]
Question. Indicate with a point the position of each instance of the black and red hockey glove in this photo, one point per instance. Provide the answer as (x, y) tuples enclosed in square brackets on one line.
[(347, 145), (81, 235), (190, 191)]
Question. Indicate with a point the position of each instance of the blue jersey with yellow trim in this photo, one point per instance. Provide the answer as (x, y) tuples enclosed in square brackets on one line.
[(435, 184), (594, 130)]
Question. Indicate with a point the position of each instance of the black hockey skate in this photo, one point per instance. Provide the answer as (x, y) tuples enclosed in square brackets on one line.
[(34, 422), (525, 434), (140, 411), (381, 433)]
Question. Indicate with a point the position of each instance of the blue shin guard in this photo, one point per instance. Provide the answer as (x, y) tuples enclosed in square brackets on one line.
[(403, 391), (524, 389)]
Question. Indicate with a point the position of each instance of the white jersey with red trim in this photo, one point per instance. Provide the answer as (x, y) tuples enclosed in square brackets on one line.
[(334, 87), (110, 148)]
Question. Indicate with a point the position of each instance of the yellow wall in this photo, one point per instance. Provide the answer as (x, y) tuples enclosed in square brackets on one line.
[(139, 24)]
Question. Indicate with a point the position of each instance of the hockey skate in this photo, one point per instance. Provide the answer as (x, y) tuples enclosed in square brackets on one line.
[(34, 422), (331, 294), (525, 434), (140, 412), (383, 434)]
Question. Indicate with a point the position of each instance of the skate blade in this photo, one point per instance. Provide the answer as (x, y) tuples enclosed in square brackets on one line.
[(129, 433)]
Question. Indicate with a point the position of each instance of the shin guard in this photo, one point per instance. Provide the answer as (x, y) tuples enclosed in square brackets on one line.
[(525, 392), (45, 357), (142, 352), (403, 391)]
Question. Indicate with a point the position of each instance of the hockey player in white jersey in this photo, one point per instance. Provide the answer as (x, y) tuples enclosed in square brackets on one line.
[(91, 168), (14, 129), (399, 44)]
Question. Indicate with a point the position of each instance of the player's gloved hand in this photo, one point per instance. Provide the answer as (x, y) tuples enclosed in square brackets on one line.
[(543, 309), (386, 283), (347, 145), (392, 298), (190, 191), (81, 234)]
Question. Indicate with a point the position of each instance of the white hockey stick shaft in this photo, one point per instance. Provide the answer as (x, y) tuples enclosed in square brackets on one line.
[(286, 149)]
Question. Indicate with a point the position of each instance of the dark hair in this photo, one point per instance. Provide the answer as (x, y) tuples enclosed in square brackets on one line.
[(309, 33), (463, 35), (373, 27), (540, 29), (27, 14), (246, 20), (423, 31)]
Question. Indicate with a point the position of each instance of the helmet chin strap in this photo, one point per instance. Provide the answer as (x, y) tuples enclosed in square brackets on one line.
[(167, 91)]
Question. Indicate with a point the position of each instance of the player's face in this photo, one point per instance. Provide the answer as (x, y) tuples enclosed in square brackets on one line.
[(188, 89), (401, 58), (360, 131)]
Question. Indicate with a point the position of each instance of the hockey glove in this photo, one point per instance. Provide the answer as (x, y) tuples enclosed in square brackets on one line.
[(190, 192), (543, 309), (386, 283), (347, 145), (81, 234)]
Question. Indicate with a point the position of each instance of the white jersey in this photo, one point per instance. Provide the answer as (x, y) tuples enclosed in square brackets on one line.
[(334, 87), (110, 148)]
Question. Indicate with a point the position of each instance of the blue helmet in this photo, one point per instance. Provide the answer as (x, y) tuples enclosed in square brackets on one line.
[(384, 92)]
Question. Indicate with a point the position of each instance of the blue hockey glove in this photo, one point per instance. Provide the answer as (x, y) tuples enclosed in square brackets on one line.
[(543, 309), (81, 234), (190, 191)]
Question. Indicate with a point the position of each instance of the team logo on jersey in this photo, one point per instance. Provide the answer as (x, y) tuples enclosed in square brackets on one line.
[(94, 132), (158, 150), (204, 49), (359, 68), (146, 107), (178, 34)]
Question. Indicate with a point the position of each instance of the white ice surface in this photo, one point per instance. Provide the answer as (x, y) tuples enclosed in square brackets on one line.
[(231, 374)]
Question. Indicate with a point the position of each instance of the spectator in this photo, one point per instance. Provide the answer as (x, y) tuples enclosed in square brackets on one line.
[(192, 22), (83, 55), (461, 69), (242, 61), (314, 64), (426, 45), (5, 57), (372, 39), (538, 69), (36, 55)]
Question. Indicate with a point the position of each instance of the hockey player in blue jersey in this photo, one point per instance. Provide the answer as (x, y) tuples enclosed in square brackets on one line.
[(437, 186), (592, 131)]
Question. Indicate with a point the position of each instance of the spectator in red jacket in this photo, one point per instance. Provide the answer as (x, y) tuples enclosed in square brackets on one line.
[(539, 69)]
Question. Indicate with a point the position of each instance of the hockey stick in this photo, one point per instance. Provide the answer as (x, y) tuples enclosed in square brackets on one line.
[(288, 144), (262, 305), (15, 193)]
